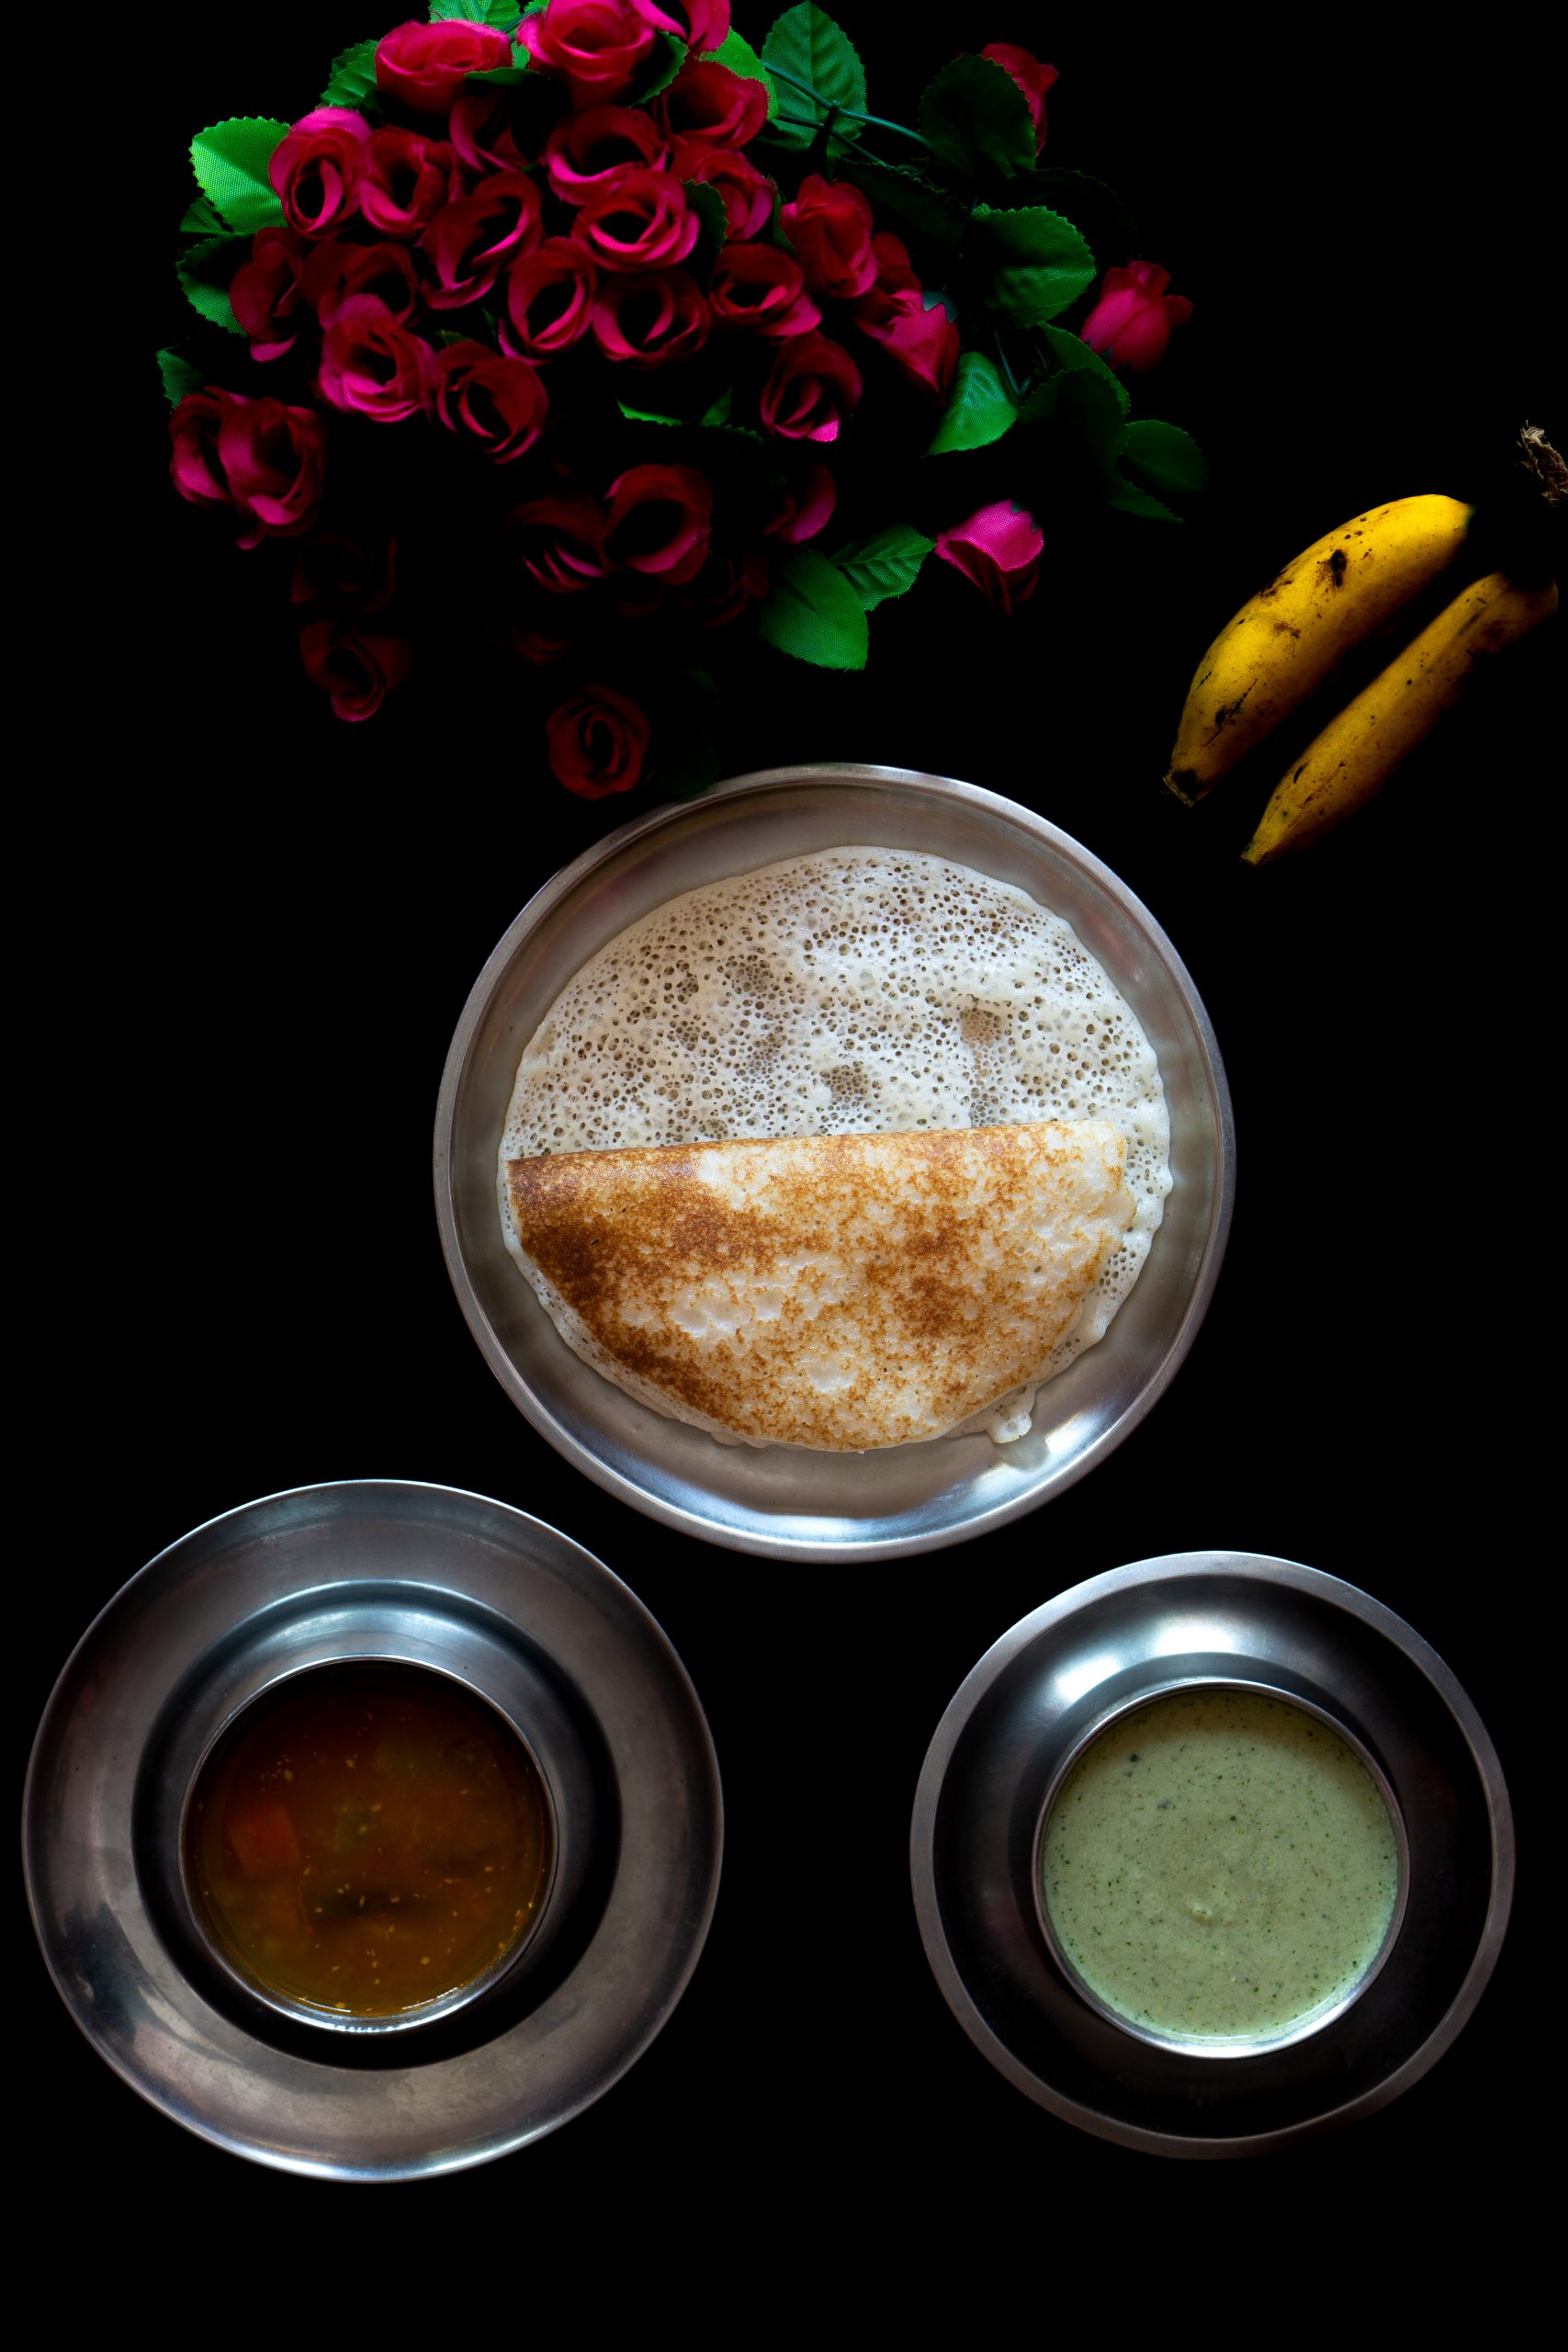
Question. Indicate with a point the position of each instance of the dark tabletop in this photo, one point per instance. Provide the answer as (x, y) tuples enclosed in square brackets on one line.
[(263, 926)]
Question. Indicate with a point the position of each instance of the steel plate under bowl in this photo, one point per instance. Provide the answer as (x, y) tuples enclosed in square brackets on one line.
[(1235, 1617), (430, 1577), (790, 1502)]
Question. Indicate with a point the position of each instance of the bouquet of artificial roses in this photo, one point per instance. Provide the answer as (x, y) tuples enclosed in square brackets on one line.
[(669, 330)]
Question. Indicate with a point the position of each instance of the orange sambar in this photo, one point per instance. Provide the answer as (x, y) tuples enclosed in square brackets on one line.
[(368, 1838)]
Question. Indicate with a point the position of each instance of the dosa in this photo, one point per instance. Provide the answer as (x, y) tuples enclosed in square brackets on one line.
[(841, 1292)]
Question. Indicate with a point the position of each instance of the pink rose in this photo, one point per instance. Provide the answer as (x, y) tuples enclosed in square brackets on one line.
[(267, 294), (373, 364), (658, 522), (758, 287), (317, 167), (501, 403), (1131, 323), (812, 389), (598, 741), (999, 549), (706, 102), (337, 272), (830, 226), (349, 574), (746, 193), (558, 541), (358, 667), (550, 293), (649, 320), (484, 134), (261, 458), (407, 180), (726, 586), (922, 341), (804, 506), (587, 149), (194, 467), (593, 45), (1032, 79), (702, 25), (638, 220), (471, 240), (424, 66)]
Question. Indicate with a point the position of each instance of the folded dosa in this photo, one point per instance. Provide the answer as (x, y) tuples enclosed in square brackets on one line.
[(832, 1291)]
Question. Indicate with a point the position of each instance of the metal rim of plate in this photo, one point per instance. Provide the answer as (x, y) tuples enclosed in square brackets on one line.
[(433, 1576), (790, 1502), (1220, 1616)]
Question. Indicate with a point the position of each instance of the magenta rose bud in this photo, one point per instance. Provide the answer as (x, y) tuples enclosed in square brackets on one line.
[(658, 522), (407, 181), (550, 294), (484, 134), (349, 574), (1032, 79), (593, 45), (923, 344), (804, 506), (267, 294), (727, 586), (830, 226), (272, 459), (999, 549), (336, 272), (759, 288), (501, 403), (638, 220), (424, 66), (1131, 323), (374, 365), (558, 541), (358, 667), (702, 25), (812, 389), (598, 741), (709, 104), (194, 467), (317, 167), (471, 240), (746, 193), (648, 321), (586, 151)]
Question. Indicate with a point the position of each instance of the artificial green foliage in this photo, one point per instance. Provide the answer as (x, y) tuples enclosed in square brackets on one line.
[(886, 564), (1069, 354), (979, 410), (1128, 499), (975, 118), (206, 272), (1163, 456), (231, 161), (817, 68), (503, 15), (813, 612), (1028, 264), (201, 219), (741, 57), (180, 376), (352, 82), (900, 193)]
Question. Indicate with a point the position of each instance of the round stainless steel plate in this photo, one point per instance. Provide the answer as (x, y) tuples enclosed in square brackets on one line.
[(781, 1500), (1228, 1616), (435, 1577)]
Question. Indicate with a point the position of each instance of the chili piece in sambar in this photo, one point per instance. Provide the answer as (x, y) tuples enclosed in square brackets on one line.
[(368, 1838)]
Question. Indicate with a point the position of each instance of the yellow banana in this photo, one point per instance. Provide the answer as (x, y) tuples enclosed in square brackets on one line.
[(1279, 648), (1362, 744)]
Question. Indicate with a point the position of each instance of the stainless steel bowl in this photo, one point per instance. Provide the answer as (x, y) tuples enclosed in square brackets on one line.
[(785, 1501), (437, 1578), (1237, 1617)]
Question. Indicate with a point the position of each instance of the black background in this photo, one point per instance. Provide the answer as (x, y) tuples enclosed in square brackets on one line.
[(261, 928)]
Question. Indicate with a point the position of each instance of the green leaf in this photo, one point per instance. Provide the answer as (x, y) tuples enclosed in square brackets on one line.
[(201, 220), (708, 206), (504, 77), (738, 53), (888, 564), (206, 271), (1069, 352), (180, 376), (646, 415), (664, 61), (231, 161), (977, 119), (1108, 223), (1028, 264), (503, 14), (806, 45), (352, 82), (1080, 411), (812, 612), (902, 193), (1126, 495), (719, 413), (979, 408), (1164, 455)]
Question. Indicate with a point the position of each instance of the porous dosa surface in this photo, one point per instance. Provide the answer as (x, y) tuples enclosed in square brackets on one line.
[(841, 1292)]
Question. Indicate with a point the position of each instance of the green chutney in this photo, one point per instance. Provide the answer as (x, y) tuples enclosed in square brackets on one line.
[(1218, 1865)]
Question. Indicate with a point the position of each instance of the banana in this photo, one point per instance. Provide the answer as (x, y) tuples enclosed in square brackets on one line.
[(1281, 645), (1362, 744)]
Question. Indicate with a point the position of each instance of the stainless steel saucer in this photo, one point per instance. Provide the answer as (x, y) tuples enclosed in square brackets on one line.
[(434, 1577), (1236, 1617)]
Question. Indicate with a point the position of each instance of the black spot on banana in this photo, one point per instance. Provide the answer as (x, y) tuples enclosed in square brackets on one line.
[(1286, 640)]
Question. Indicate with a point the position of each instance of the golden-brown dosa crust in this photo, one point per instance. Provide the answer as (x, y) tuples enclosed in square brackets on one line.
[(618, 1234)]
